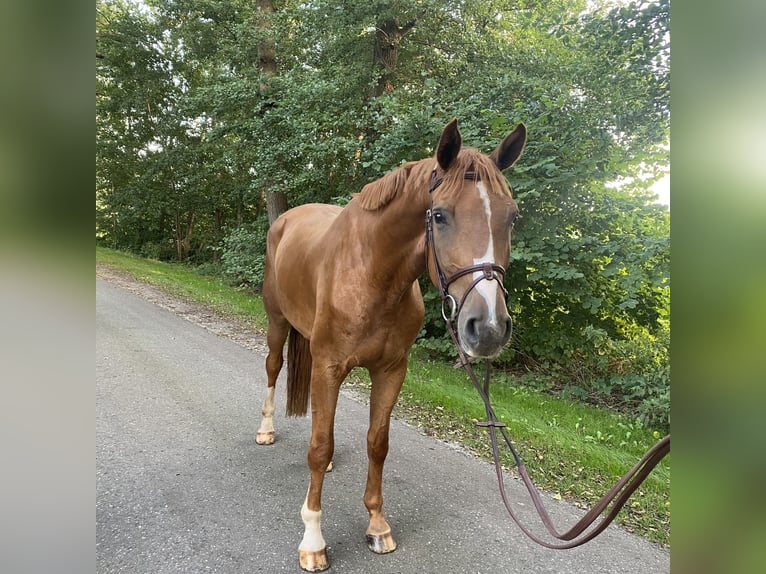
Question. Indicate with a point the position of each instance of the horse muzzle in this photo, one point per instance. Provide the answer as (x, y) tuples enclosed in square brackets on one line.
[(481, 335)]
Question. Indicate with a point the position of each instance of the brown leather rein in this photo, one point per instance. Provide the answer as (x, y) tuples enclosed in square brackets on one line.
[(617, 496)]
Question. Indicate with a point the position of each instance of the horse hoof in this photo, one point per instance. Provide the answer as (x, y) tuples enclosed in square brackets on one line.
[(329, 467), (381, 543), (314, 560), (265, 437)]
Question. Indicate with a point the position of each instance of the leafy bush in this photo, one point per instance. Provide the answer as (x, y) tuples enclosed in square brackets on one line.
[(210, 269), (243, 258), (433, 336), (637, 373), (630, 373), (151, 250)]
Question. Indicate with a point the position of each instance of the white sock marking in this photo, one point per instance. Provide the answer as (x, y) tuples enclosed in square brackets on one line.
[(267, 423), (312, 536)]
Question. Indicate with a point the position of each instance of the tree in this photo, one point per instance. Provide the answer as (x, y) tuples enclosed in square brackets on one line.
[(276, 201)]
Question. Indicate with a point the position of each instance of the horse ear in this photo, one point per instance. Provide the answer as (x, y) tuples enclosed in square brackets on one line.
[(509, 150), (449, 145)]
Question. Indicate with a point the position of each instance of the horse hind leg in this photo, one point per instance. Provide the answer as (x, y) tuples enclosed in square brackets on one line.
[(275, 338)]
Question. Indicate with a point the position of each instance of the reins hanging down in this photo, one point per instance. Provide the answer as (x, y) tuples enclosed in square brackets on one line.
[(617, 496)]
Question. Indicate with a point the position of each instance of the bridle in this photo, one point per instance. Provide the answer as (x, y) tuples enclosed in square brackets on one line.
[(489, 271), (617, 496)]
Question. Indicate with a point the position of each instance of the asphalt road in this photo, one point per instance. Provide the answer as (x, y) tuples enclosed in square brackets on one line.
[(183, 487)]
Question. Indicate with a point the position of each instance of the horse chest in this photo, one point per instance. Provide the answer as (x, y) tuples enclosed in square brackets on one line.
[(368, 328)]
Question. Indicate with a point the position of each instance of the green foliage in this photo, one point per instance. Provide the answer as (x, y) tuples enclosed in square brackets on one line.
[(244, 254), (630, 375), (433, 337)]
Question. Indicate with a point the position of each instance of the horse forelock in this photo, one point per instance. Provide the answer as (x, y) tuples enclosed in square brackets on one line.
[(484, 169)]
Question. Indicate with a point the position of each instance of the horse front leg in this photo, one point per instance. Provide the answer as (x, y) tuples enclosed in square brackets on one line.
[(385, 390), (325, 386)]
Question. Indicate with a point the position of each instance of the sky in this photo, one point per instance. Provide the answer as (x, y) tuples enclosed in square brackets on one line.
[(662, 189)]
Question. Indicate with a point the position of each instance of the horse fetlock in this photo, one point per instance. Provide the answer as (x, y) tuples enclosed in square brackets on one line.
[(266, 430), (312, 536)]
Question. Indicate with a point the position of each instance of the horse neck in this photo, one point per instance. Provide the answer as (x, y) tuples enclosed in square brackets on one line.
[(396, 239)]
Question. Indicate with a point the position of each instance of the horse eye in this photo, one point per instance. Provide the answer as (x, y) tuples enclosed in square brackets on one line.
[(439, 217)]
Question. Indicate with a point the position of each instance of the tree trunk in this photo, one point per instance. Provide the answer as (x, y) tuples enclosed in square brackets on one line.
[(385, 57), (218, 217), (276, 204), (276, 201), (267, 60), (184, 235), (179, 251), (387, 39)]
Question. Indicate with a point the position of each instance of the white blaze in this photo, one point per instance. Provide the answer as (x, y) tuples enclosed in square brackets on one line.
[(487, 289)]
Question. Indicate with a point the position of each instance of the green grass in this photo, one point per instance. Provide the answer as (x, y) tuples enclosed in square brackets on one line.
[(573, 450), (181, 280)]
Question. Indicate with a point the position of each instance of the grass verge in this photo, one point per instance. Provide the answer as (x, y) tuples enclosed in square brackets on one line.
[(573, 450), (181, 280)]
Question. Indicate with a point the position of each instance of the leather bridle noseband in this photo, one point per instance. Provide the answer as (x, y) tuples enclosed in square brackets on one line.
[(619, 493), (489, 271)]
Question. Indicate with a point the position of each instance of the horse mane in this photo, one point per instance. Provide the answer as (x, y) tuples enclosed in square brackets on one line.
[(379, 193)]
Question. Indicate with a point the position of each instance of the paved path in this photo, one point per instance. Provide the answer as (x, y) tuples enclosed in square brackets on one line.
[(183, 487)]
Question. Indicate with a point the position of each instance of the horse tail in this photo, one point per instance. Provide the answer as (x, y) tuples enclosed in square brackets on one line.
[(298, 374)]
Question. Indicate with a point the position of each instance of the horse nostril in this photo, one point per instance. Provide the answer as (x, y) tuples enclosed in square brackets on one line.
[(471, 331), (508, 329)]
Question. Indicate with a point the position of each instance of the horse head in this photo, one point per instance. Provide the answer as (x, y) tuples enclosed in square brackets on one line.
[(471, 215)]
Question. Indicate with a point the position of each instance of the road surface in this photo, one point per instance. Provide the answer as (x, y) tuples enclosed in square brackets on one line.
[(183, 487)]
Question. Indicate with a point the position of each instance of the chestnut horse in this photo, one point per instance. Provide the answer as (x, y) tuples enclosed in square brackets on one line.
[(342, 283)]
